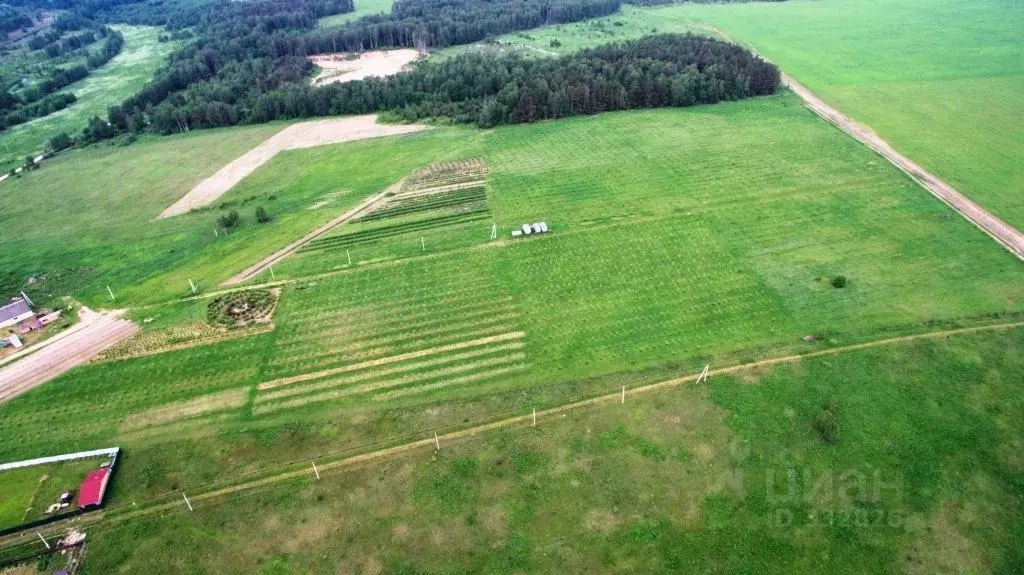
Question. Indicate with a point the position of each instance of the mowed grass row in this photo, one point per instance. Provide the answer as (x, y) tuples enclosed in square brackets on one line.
[(689, 479), (367, 320), (650, 270)]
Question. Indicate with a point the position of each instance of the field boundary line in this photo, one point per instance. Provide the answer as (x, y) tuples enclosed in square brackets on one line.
[(525, 418), (253, 270)]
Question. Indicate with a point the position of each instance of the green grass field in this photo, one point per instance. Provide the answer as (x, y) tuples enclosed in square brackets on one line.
[(363, 8), (679, 236), (123, 76), (941, 80), (924, 477)]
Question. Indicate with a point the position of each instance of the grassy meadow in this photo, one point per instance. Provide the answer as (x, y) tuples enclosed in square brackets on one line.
[(678, 237), (924, 477), (363, 8), (941, 80), (123, 76)]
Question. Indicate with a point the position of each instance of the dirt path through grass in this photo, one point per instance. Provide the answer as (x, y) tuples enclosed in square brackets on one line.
[(294, 137), (94, 333), (1002, 232), (254, 270)]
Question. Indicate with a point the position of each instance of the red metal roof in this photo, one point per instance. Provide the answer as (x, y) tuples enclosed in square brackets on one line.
[(93, 487)]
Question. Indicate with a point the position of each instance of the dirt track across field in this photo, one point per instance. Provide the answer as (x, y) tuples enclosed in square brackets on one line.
[(1002, 232), (94, 333), (294, 137), (254, 270)]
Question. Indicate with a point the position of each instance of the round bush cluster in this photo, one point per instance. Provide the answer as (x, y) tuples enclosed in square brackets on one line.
[(240, 308)]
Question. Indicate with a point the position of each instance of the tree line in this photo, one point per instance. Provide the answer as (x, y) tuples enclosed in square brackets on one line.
[(246, 50), (44, 98), (490, 89), (441, 23)]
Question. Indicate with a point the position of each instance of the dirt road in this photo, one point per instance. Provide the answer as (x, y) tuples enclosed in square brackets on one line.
[(294, 137), (1000, 231), (254, 270), (94, 333)]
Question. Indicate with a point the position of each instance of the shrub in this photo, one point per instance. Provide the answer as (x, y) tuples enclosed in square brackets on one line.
[(839, 282), (825, 424), (261, 215), (228, 220), (240, 308), (555, 43)]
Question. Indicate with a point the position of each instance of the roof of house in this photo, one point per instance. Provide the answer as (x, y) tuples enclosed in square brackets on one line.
[(93, 487), (14, 309)]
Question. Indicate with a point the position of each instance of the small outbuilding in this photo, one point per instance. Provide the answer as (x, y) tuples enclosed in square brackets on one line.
[(93, 488), (14, 312)]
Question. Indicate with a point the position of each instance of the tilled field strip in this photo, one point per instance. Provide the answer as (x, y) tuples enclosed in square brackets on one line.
[(428, 442), (294, 137), (380, 373), (392, 359)]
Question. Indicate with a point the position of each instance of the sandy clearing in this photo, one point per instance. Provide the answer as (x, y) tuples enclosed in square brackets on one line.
[(339, 67), (999, 230), (367, 204), (98, 332), (294, 137)]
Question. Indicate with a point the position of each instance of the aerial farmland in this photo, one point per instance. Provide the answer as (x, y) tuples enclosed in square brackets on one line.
[(616, 288)]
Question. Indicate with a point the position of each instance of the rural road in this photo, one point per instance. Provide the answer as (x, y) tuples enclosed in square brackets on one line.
[(94, 333), (1002, 232)]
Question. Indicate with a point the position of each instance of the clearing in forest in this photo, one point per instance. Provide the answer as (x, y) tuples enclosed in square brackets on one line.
[(344, 67), (296, 136)]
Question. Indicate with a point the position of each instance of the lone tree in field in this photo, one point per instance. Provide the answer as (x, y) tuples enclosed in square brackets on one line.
[(839, 282), (825, 424), (261, 215)]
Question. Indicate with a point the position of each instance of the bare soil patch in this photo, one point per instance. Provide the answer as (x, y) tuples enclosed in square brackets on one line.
[(341, 67), (294, 137)]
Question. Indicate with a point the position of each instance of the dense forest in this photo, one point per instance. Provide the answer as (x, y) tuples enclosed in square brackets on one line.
[(489, 89), (440, 23), (247, 62), (246, 50)]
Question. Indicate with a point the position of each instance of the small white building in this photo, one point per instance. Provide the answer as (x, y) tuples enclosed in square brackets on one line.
[(14, 312)]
